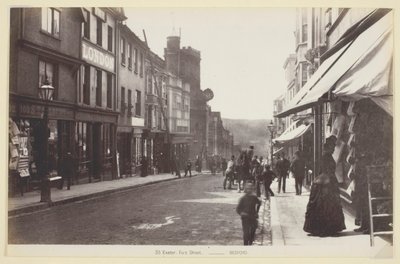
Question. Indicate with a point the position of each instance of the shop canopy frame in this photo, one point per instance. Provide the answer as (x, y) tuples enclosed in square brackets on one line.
[(290, 135), (353, 55)]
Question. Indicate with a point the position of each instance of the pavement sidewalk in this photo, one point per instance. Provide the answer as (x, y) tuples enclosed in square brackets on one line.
[(287, 220), (30, 202)]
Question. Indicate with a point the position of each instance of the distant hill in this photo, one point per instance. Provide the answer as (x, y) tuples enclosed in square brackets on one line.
[(250, 132)]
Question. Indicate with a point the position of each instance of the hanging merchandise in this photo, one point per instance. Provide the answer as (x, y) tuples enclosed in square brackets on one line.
[(351, 141), (338, 150), (350, 109), (337, 127), (352, 124)]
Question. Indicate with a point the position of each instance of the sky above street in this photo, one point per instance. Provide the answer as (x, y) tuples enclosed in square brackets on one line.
[(242, 51)]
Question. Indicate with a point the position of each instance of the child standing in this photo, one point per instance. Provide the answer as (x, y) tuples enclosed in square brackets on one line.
[(248, 208)]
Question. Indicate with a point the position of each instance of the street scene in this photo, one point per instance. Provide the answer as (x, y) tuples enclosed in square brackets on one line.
[(145, 127)]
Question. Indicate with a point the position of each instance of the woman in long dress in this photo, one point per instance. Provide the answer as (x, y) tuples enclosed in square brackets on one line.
[(324, 216)]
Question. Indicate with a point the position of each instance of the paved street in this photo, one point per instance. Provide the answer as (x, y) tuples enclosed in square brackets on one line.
[(190, 211)]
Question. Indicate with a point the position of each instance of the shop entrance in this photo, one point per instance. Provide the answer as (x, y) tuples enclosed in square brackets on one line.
[(97, 150)]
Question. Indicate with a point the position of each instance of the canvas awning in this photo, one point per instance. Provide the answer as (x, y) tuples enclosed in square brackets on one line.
[(293, 134), (351, 58), (376, 64)]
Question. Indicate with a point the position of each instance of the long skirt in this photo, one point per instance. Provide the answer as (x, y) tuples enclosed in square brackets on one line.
[(324, 215)]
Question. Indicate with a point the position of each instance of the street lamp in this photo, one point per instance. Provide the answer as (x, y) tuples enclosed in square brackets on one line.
[(271, 128), (46, 92)]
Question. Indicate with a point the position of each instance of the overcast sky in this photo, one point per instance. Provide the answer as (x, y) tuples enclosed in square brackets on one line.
[(242, 51)]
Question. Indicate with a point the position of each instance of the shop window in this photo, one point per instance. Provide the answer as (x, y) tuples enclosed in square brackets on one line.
[(107, 139), (138, 98), (99, 32), (47, 72), (86, 85), (98, 87), (51, 21), (123, 51), (109, 90), (82, 138), (110, 38), (86, 25), (53, 156)]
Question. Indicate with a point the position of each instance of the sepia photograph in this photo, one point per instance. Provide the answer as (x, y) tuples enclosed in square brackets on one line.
[(200, 131)]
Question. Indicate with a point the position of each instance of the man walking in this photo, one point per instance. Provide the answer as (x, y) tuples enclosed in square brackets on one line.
[(267, 177), (282, 168), (298, 169), (230, 171), (248, 208), (67, 170), (188, 168)]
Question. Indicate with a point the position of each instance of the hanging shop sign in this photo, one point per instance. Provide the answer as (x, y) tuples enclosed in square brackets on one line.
[(135, 121), (98, 57)]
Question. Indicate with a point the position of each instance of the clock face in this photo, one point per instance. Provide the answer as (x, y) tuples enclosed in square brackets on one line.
[(208, 94)]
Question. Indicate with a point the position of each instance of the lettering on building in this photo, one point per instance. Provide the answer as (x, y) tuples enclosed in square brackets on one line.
[(97, 57)]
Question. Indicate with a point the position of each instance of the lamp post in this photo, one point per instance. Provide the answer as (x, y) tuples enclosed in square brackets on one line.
[(271, 128), (46, 94)]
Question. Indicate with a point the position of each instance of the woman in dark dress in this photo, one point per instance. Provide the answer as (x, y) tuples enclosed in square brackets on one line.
[(324, 216)]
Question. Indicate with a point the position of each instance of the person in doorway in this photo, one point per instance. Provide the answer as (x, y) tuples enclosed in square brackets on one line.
[(248, 208), (143, 168), (324, 215), (176, 167), (282, 167), (67, 170), (188, 168), (298, 168), (197, 164)]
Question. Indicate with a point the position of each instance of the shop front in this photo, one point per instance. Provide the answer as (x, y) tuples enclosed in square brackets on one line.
[(180, 149), (95, 144), (27, 140), (351, 95)]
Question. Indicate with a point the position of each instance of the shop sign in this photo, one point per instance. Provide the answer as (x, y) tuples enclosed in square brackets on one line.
[(33, 110), (97, 57), (137, 121)]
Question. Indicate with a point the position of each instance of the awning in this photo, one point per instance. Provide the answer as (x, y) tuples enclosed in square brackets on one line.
[(293, 134), (336, 66), (377, 64)]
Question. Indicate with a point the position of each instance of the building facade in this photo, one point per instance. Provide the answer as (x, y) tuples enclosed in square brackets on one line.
[(350, 96), (97, 115), (185, 64), (131, 144), (157, 113), (179, 118), (44, 48)]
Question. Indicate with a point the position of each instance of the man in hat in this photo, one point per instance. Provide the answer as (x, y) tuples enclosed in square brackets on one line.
[(282, 168)]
